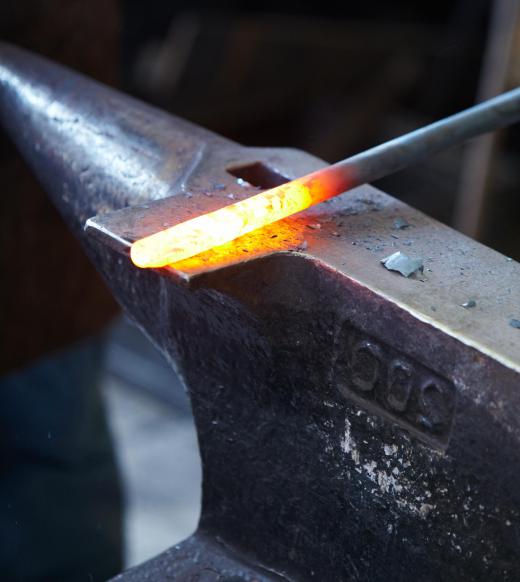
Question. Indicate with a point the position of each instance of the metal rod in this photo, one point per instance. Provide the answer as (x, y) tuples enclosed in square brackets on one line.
[(216, 228), (401, 152)]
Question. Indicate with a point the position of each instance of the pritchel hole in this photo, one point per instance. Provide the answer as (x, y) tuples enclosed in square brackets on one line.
[(258, 175)]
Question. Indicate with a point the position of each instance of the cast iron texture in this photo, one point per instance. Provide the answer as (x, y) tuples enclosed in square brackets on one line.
[(353, 424)]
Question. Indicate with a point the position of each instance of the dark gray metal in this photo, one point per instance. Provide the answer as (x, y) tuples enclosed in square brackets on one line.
[(403, 151), (353, 424)]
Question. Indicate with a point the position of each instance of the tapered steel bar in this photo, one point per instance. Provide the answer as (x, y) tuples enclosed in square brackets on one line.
[(400, 152), (201, 233)]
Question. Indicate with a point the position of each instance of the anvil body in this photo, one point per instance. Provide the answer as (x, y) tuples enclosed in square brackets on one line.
[(353, 424)]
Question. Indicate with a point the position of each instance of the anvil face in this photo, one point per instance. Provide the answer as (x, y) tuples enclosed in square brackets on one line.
[(353, 424)]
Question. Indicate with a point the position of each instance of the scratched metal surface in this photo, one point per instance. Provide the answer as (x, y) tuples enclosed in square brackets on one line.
[(353, 424), (356, 231)]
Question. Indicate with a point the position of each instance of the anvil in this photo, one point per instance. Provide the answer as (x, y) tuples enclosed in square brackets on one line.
[(353, 424)]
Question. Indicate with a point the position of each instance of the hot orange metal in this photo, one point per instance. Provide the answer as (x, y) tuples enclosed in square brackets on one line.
[(200, 234)]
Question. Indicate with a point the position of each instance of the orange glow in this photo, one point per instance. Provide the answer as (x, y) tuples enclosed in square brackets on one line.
[(200, 234)]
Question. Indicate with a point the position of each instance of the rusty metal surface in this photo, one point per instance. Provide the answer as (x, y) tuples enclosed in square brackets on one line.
[(353, 424)]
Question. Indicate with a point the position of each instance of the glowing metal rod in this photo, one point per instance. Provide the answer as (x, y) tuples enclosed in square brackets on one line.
[(226, 224)]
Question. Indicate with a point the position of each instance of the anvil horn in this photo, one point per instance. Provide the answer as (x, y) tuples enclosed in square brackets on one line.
[(94, 149)]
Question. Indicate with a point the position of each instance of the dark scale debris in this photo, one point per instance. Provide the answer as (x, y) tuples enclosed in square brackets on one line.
[(401, 224), (403, 264), (372, 204), (469, 304), (515, 323)]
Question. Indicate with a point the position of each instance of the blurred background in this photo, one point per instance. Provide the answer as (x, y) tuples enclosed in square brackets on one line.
[(330, 80)]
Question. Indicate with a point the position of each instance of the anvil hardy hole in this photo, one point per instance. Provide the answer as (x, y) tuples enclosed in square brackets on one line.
[(259, 175)]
